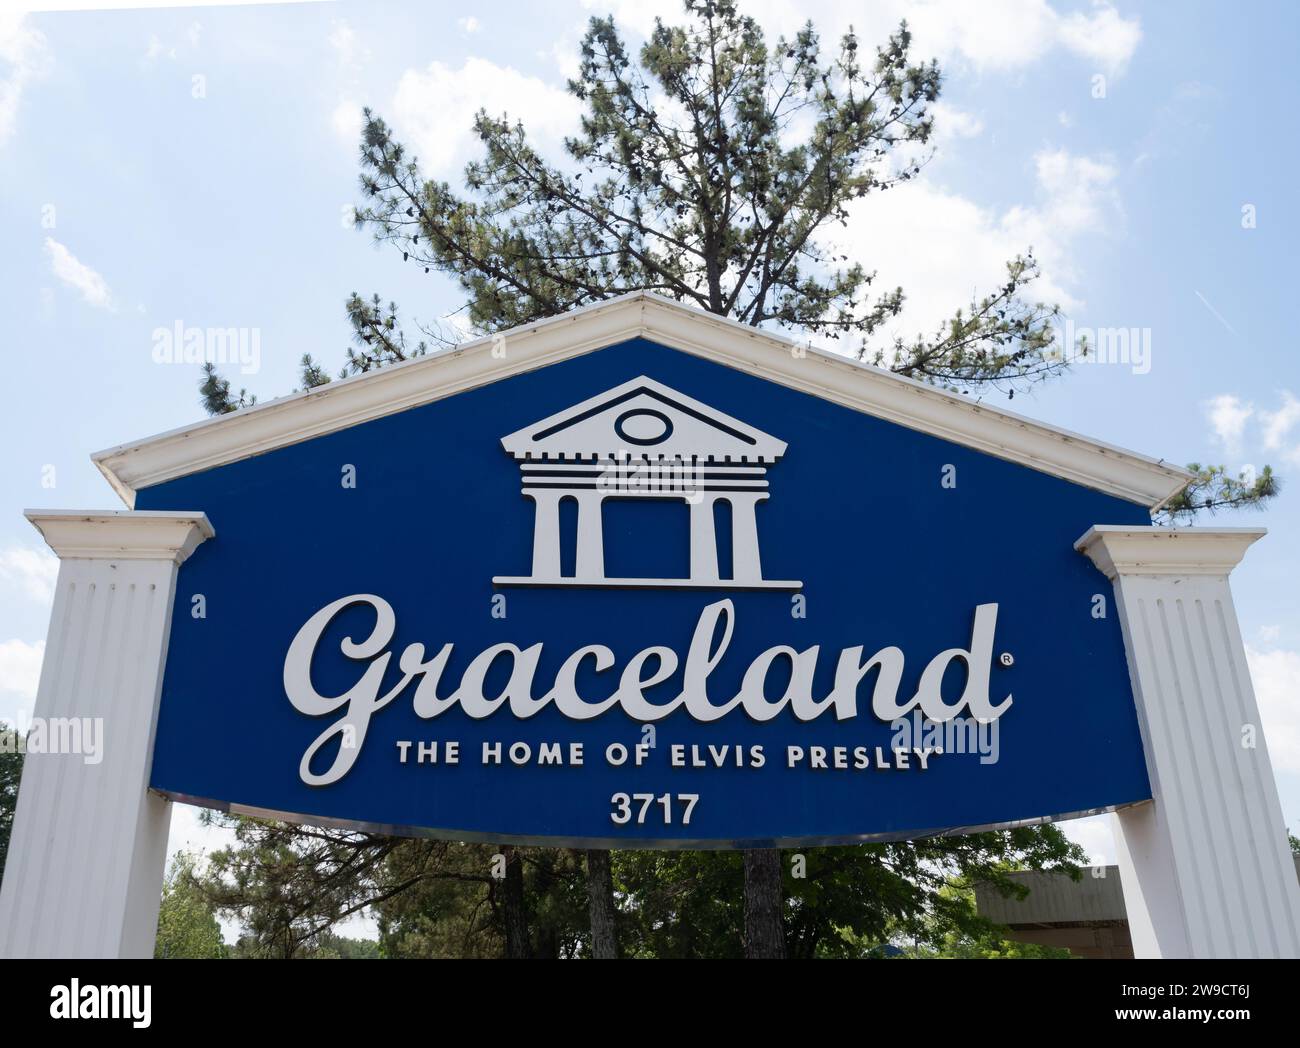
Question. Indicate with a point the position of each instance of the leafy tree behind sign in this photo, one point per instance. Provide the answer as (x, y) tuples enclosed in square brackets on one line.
[(709, 167), (11, 770), (187, 926)]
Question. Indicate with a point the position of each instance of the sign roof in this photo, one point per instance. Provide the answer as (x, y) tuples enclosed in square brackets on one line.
[(839, 379)]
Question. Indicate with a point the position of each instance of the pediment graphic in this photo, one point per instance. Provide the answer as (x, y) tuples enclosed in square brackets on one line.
[(643, 439), (644, 418)]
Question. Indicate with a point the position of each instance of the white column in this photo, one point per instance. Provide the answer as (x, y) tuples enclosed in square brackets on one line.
[(589, 565), (704, 539), (86, 856), (1205, 866), (746, 564), (546, 533)]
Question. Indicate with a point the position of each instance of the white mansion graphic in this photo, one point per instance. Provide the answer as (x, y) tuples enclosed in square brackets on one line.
[(644, 440)]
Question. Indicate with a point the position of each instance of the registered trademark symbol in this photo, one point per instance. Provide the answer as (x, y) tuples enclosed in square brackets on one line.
[(1006, 659)]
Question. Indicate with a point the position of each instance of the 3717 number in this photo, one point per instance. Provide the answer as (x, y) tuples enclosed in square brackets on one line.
[(625, 803)]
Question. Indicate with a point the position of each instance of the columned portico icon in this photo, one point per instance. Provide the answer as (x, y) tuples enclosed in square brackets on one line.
[(645, 440)]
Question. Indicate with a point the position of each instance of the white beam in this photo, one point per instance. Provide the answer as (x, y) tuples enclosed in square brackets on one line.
[(1205, 866), (86, 855)]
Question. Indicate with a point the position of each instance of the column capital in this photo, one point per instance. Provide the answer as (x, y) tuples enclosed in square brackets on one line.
[(1121, 549), (122, 534)]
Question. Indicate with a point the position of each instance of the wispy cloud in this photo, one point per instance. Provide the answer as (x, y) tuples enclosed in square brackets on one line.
[(353, 56), (942, 246), (23, 57), (1278, 426), (20, 672), (435, 107), (31, 571), (1274, 674), (76, 274), (1216, 314), (1228, 415), (1233, 419), (1001, 36)]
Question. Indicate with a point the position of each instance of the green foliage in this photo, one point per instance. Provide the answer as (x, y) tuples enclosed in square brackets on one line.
[(971, 937), (311, 373), (851, 901), (215, 395), (458, 908), (325, 947), (11, 771), (377, 336), (687, 179), (187, 926), (440, 899), (337, 947), (1214, 488), (289, 885)]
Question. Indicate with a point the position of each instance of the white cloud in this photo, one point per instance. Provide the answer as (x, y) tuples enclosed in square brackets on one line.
[(343, 39), (23, 57), (20, 672), (944, 249), (347, 121), (994, 35), (1095, 836), (346, 117), (469, 24), (435, 110), (1276, 676), (156, 49), (31, 572), (76, 274), (1278, 424), (951, 122), (1077, 194), (1228, 415), (1104, 36)]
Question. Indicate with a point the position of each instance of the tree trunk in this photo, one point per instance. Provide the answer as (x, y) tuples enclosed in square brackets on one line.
[(513, 903), (764, 932), (600, 906)]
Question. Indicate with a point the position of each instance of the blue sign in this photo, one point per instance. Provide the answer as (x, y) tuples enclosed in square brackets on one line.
[(639, 597)]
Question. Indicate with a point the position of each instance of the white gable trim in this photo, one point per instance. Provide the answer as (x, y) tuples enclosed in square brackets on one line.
[(348, 402), (765, 447)]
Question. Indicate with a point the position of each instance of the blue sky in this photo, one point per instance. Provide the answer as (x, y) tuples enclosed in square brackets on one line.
[(194, 166)]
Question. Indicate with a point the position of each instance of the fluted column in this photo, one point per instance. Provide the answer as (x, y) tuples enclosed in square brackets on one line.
[(1205, 866), (85, 866)]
